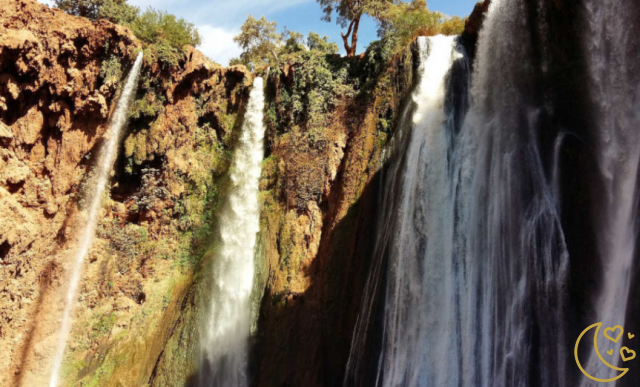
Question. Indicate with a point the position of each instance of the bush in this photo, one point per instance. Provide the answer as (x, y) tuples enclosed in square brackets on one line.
[(111, 69), (153, 27), (315, 42), (452, 26), (163, 53), (404, 22), (116, 11)]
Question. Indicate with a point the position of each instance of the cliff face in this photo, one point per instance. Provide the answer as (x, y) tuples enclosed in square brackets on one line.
[(328, 121), (59, 80)]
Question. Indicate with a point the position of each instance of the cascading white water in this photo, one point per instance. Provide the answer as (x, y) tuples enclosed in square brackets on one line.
[(609, 49), (105, 164), (477, 262), (226, 334), (420, 339), (418, 297)]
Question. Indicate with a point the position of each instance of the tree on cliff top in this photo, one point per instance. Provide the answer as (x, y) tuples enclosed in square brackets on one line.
[(262, 45), (259, 40), (402, 22), (152, 26), (116, 11), (349, 13)]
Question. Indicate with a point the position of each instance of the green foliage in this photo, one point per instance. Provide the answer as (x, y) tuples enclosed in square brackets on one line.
[(167, 33), (116, 11), (318, 85), (163, 53), (259, 41), (348, 10), (148, 106), (264, 46), (452, 26), (103, 325), (155, 26), (293, 42), (322, 44), (403, 22), (111, 69), (349, 13)]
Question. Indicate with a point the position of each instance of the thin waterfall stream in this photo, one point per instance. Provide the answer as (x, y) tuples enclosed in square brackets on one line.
[(106, 159), (227, 328)]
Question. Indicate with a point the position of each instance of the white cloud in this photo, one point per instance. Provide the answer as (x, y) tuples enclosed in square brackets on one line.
[(218, 44)]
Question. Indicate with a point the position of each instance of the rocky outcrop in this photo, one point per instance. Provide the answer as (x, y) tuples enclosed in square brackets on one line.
[(59, 80), (473, 25)]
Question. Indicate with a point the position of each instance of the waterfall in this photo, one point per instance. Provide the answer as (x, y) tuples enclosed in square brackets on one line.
[(421, 328), (105, 163), (418, 295), (611, 47), (475, 253), (226, 332), (517, 258)]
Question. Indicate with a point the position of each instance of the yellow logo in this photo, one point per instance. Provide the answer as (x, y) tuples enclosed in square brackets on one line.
[(625, 353)]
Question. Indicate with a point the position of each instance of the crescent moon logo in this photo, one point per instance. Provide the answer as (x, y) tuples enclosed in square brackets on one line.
[(595, 344)]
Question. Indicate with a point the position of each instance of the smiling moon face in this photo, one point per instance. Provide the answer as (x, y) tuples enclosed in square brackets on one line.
[(595, 344)]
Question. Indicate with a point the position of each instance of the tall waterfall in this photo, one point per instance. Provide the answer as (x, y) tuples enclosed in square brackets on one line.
[(105, 163), (226, 334), (421, 294), (611, 49), (419, 241), (477, 262)]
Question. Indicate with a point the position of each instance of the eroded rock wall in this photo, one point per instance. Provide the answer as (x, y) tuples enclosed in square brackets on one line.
[(319, 194), (59, 80)]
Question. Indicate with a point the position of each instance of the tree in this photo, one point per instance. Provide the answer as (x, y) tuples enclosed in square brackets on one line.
[(259, 41), (349, 13), (293, 41), (154, 26), (116, 11), (452, 26), (402, 22), (315, 42)]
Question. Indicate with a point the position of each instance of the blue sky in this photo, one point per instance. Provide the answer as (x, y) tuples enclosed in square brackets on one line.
[(219, 20)]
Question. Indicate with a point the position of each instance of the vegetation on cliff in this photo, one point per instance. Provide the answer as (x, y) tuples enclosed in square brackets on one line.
[(151, 26), (398, 25)]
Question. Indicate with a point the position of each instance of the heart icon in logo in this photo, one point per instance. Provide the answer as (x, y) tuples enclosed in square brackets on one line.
[(631, 356), (610, 352), (606, 333), (631, 336)]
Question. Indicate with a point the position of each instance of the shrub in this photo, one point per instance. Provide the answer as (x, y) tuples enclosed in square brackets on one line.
[(404, 22), (163, 53), (259, 41), (111, 69), (452, 26), (116, 11), (154, 27), (315, 42)]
